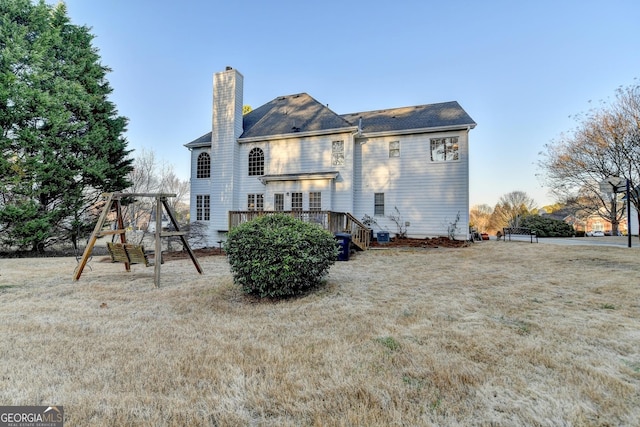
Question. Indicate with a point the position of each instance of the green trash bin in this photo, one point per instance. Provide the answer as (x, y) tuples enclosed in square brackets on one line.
[(344, 246)]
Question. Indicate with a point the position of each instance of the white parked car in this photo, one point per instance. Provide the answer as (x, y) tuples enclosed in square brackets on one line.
[(597, 234)]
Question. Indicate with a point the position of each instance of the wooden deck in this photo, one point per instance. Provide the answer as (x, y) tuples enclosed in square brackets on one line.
[(335, 222)]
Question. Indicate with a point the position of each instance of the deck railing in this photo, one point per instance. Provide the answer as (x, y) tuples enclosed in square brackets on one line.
[(335, 222)]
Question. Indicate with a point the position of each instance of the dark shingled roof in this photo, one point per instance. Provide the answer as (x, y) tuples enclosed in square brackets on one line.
[(445, 114), (291, 114), (301, 113), (203, 140)]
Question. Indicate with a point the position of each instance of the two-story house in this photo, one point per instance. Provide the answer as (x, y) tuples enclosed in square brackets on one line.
[(404, 166)]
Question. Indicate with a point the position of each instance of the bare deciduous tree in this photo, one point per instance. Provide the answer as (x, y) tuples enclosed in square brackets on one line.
[(480, 217), (605, 144), (148, 176), (511, 207)]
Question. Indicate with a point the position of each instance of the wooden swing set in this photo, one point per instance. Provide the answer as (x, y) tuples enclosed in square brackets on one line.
[(129, 253)]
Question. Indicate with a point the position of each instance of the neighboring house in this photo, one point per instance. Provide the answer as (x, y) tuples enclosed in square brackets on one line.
[(294, 153), (596, 222)]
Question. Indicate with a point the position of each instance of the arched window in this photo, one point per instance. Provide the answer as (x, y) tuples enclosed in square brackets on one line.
[(256, 162), (203, 168)]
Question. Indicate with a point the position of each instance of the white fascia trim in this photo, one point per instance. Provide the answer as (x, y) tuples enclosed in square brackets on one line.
[(199, 145), (414, 131), (351, 129), (299, 176)]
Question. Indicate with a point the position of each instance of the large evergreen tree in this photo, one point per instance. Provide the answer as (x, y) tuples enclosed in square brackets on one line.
[(61, 139)]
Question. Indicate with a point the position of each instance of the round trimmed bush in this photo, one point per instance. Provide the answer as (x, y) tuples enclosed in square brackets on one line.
[(279, 256)]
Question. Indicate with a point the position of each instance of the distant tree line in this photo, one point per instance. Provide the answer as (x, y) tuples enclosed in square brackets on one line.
[(517, 209)]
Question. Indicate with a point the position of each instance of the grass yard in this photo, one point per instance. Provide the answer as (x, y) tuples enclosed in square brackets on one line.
[(495, 334)]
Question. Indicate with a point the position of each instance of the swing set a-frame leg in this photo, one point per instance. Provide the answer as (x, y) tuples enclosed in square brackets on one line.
[(94, 237)]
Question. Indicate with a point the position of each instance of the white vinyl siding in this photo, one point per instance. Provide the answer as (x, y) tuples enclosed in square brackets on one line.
[(298, 156), (427, 194)]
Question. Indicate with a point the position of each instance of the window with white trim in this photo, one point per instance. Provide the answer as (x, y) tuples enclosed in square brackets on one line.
[(255, 202), (203, 167), (256, 162), (203, 209), (315, 201), (444, 149), (378, 204), (296, 201), (337, 153), (278, 202), (394, 149)]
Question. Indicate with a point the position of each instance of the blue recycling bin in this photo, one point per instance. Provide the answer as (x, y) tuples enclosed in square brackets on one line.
[(344, 246), (383, 237)]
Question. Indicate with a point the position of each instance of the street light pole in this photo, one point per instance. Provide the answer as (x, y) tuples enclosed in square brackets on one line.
[(614, 184), (628, 216)]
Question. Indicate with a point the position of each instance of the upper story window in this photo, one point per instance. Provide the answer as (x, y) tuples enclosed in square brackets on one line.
[(394, 149), (256, 162), (337, 153), (444, 149), (203, 167)]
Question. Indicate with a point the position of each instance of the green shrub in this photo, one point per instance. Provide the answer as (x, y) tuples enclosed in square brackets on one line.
[(279, 256), (547, 227)]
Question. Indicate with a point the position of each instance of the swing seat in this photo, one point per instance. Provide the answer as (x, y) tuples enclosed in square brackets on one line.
[(131, 254)]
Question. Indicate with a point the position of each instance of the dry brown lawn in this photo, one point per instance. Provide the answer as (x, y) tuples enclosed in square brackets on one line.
[(495, 334)]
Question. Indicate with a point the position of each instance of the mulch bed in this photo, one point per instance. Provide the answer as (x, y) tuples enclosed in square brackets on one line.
[(433, 242)]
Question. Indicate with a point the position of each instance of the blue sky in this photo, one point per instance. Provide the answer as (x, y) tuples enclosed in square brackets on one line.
[(520, 69)]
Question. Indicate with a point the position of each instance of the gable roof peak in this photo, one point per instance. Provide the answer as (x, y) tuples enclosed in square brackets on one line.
[(291, 114)]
